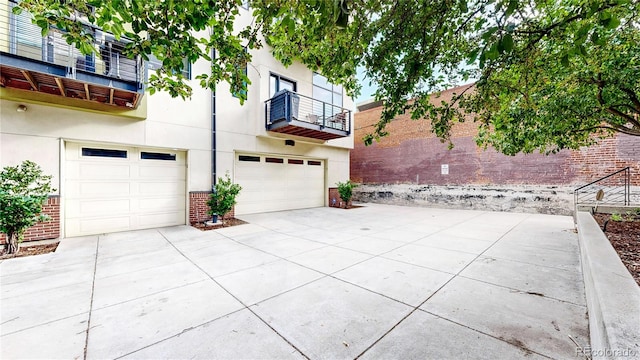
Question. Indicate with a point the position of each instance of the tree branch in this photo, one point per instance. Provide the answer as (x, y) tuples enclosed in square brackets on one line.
[(612, 127), (634, 98), (629, 118), (610, 109), (546, 31), (622, 129)]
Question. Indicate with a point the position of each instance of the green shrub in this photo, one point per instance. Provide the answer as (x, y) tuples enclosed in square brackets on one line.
[(223, 196), (23, 191), (616, 217), (345, 189)]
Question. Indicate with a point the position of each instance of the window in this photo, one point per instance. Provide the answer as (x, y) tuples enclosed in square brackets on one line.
[(249, 158), (244, 83), (274, 160), (277, 83), (325, 91), (26, 32), (154, 64), (157, 156), (295, 161), (314, 163), (104, 153)]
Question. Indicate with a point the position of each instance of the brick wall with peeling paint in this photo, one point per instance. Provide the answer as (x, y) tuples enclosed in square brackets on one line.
[(412, 155)]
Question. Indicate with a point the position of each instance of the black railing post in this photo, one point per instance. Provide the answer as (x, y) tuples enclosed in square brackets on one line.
[(628, 187), (625, 188)]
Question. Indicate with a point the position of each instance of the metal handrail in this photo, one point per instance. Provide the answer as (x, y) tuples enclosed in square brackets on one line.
[(617, 193), (312, 111), (25, 40)]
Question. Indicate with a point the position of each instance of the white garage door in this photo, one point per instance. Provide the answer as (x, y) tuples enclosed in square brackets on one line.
[(117, 188), (273, 183)]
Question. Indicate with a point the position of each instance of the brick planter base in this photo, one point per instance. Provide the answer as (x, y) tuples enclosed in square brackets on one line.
[(45, 230), (198, 207)]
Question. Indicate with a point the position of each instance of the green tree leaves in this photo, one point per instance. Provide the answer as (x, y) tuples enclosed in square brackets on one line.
[(23, 191), (223, 197), (549, 74)]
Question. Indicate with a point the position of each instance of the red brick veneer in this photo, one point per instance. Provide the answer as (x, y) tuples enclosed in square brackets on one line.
[(412, 154), (44, 230), (198, 207)]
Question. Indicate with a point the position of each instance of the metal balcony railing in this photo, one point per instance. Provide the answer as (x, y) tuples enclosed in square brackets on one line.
[(290, 106), (613, 189), (25, 40)]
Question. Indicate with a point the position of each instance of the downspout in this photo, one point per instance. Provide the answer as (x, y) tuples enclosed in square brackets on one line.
[(213, 130)]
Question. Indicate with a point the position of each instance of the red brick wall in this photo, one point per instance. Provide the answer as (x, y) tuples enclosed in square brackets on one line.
[(608, 156), (198, 207), (413, 154), (45, 230), (334, 195)]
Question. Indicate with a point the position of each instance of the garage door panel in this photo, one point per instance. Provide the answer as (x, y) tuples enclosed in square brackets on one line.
[(101, 189), (102, 171), (107, 194), (162, 172), (278, 186), (96, 171), (98, 225), (164, 219), (98, 207), (76, 189), (165, 188), (169, 204)]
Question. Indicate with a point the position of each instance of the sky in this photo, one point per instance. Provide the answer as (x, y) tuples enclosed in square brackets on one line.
[(367, 89)]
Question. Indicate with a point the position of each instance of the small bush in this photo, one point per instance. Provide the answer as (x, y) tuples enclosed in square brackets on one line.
[(616, 217), (223, 197), (23, 191), (345, 189)]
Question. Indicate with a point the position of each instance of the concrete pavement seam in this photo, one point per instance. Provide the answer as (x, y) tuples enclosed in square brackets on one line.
[(235, 297), (483, 333), (93, 286), (440, 288)]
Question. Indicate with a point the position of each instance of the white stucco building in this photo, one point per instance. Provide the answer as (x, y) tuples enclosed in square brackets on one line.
[(123, 159)]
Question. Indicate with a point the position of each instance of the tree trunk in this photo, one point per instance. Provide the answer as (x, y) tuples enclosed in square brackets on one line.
[(12, 243)]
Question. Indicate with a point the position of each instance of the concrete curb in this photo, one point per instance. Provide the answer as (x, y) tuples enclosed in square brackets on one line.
[(613, 297)]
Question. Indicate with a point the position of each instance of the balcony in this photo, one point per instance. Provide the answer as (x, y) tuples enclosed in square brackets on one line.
[(36, 64), (291, 113)]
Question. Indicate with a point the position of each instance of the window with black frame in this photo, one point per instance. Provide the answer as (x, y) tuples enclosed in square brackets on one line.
[(327, 102), (278, 83)]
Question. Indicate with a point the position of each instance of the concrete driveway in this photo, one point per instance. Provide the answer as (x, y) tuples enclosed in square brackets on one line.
[(376, 282)]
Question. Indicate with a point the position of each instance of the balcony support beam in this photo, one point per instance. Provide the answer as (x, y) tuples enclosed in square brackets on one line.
[(27, 75), (86, 91), (58, 81), (111, 96)]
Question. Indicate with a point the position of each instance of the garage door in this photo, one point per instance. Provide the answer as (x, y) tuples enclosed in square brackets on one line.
[(115, 188), (274, 183)]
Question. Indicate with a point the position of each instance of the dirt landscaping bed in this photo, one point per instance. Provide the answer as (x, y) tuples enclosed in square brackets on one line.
[(623, 231), (225, 223), (29, 250)]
